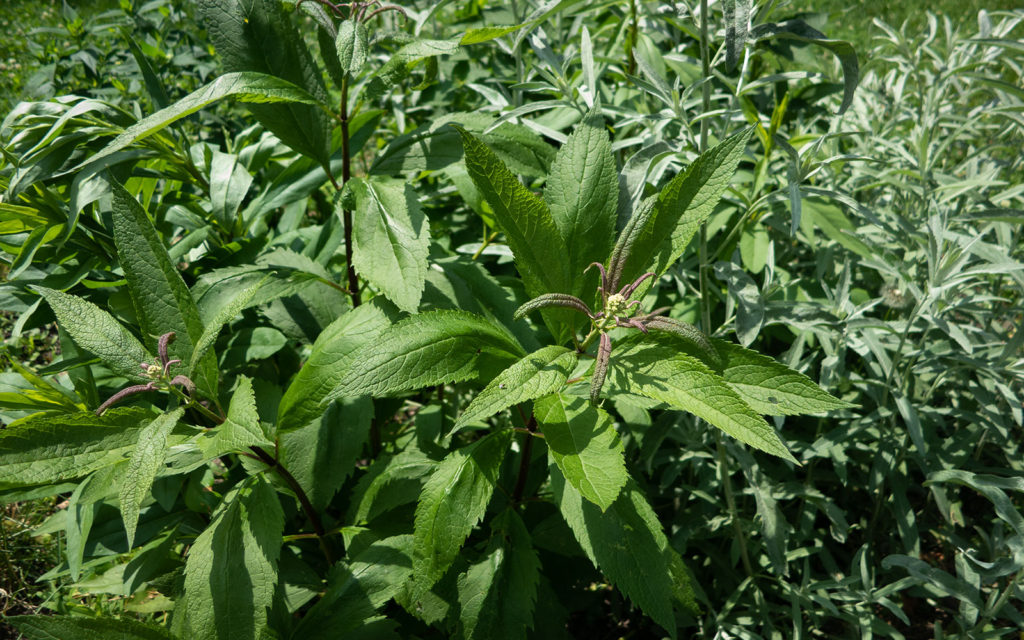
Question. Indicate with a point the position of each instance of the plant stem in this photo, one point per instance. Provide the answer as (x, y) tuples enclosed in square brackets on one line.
[(702, 270), (524, 461), (487, 241), (730, 503), (307, 506), (346, 175)]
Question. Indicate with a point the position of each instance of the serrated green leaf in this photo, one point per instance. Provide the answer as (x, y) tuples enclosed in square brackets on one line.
[(583, 442), (352, 46), (40, 627), (224, 316), (652, 367), (43, 449), (582, 192), (529, 228), (243, 86), (399, 65), (389, 482), (437, 347), (391, 239), (96, 331), (356, 590), (321, 373), (686, 201), (259, 36), (452, 503), (231, 571), (538, 374), (626, 542), (147, 458), (497, 595), (485, 34), (241, 428), (770, 387), (161, 298)]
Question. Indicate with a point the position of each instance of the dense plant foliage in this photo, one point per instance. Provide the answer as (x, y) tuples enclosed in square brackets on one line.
[(382, 321)]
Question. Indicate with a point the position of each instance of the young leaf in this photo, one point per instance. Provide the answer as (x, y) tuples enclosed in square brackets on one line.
[(240, 430), (649, 367), (355, 591), (453, 501), (352, 46), (685, 202), (258, 35), (231, 571), (538, 374), (437, 347), (498, 594), (43, 449), (584, 444), (146, 460), (770, 387), (40, 627), (582, 192), (96, 331), (391, 239), (626, 542), (161, 298), (529, 228)]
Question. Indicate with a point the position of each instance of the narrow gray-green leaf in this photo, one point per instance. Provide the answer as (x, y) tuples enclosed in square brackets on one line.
[(391, 239), (652, 367), (452, 502), (583, 442), (803, 32), (437, 347), (538, 374), (240, 430), (770, 387), (231, 571), (42, 449), (96, 331), (244, 86), (582, 193), (737, 18), (146, 460), (626, 542)]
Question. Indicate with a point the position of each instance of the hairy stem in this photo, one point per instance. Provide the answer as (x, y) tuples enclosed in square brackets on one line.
[(702, 270), (346, 175)]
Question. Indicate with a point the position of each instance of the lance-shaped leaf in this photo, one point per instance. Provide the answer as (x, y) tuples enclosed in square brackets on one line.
[(391, 239), (39, 627), (388, 483), (223, 316), (583, 442), (146, 460), (43, 449), (538, 374), (530, 230), (258, 35), (658, 239), (357, 589), (452, 502), (231, 571), (770, 387), (498, 594), (243, 86), (241, 429), (428, 349), (653, 367), (352, 46), (161, 298), (803, 32), (626, 542), (737, 18), (96, 331), (582, 192)]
